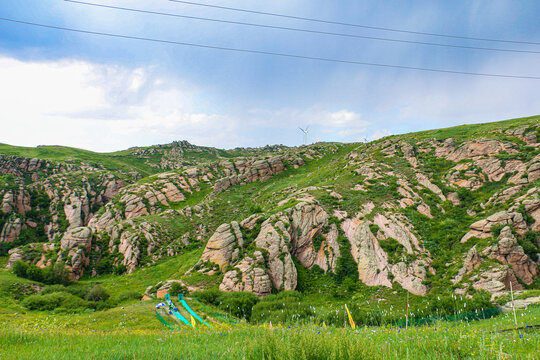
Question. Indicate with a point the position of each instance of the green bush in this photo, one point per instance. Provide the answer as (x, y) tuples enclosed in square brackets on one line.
[(285, 307), (52, 289), (529, 243), (239, 304), (209, 296), (129, 295), (55, 300), (346, 266), (97, 293), (54, 274), (177, 288)]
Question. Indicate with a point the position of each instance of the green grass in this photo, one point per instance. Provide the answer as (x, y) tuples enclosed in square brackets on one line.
[(140, 279), (473, 130), (62, 153), (82, 337)]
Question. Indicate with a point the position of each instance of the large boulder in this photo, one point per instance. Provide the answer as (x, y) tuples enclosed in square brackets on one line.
[(76, 237), (371, 259), (248, 275), (507, 252), (275, 239), (220, 247), (11, 230)]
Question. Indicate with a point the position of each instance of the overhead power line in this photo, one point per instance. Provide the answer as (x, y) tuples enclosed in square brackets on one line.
[(299, 30), (354, 25), (261, 52)]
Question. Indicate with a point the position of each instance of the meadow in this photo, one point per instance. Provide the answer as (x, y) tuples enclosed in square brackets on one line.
[(133, 332)]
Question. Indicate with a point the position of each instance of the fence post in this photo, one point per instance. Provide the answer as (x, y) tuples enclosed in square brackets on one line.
[(407, 314), (513, 307)]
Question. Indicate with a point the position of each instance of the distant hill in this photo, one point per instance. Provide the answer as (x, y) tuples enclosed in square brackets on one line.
[(455, 208)]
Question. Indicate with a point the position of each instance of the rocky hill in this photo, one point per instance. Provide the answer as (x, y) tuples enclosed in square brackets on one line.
[(455, 208)]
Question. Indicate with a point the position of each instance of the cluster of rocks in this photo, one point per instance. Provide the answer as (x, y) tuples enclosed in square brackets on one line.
[(243, 171), (530, 203), (304, 232), (514, 264)]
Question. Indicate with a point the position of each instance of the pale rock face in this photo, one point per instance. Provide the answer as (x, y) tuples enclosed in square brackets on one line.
[(77, 240), (425, 210), (307, 221), (534, 171), (394, 228), (129, 247), (454, 198), (7, 202), (73, 238), (76, 210), (11, 230), (14, 256), (371, 259), (409, 154), (507, 252), (475, 149), (220, 246), (482, 228), (411, 277), (112, 188), (497, 279), (424, 181), (472, 261), (274, 238), (253, 277)]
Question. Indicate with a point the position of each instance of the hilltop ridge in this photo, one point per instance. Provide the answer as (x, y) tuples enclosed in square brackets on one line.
[(455, 208)]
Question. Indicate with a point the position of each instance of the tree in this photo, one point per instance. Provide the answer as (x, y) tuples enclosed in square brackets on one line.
[(178, 288)]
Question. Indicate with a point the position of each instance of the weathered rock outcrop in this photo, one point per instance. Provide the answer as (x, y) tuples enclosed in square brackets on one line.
[(11, 230), (249, 275), (471, 261), (245, 170), (308, 222), (220, 247), (496, 280), (371, 259), (507, 252), (76, 241)]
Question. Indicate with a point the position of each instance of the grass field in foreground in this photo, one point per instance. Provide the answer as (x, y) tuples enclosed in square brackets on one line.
[(488, 339)]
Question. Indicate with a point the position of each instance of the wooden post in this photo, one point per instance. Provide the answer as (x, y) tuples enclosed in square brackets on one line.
[(513, 307)]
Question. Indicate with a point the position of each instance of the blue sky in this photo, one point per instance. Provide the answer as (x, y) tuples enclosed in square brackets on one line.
[(108, 94)]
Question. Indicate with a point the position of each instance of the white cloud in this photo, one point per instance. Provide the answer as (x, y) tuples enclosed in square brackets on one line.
[(108, 107), (100, 107)]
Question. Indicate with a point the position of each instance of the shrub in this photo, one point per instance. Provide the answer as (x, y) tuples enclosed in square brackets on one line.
[(346, 266), (52, 289), (54, 301), (177, 288), (129, 295), (97, 293), (20, 268), (120, 269), (54, 274), (209, 296), (239, 304)]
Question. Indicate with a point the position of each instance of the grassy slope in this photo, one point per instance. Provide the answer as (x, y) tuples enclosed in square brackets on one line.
[(234, 204), (472, 130), (480, 340), (61, 153)]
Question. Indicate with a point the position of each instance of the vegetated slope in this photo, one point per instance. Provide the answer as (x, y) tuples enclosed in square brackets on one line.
[(455, 208)]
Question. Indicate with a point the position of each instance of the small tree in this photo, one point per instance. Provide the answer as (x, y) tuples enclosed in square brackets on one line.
[(177, 288), (97, 293), (20, 268)]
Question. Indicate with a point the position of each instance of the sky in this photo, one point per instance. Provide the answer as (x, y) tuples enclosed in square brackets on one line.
[(105, 93)]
